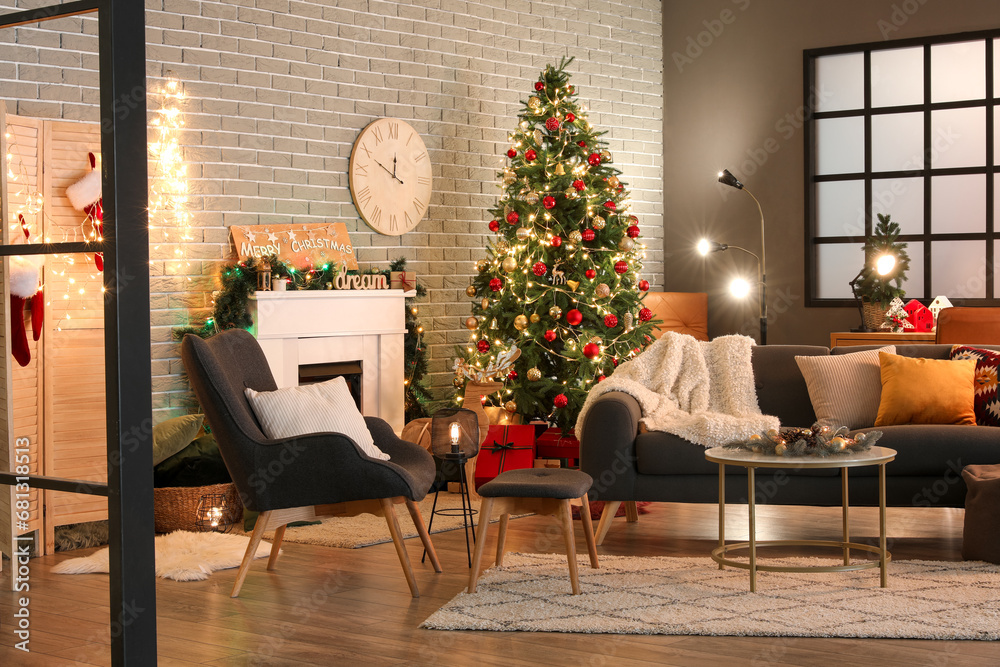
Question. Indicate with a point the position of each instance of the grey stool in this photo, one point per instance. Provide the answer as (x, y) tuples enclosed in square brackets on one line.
[(550, 491)]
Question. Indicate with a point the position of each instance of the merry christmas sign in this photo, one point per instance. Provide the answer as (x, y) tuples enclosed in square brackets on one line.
[(301, 245)]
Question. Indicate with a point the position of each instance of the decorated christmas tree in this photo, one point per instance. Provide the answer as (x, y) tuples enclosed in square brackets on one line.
[(561, 282)]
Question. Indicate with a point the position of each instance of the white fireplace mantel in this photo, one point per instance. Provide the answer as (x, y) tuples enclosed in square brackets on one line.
[(315, 326)]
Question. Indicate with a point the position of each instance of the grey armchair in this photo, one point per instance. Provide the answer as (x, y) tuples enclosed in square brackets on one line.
[(300, 478)]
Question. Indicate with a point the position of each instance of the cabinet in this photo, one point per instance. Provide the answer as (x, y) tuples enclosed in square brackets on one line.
[(853, 338)]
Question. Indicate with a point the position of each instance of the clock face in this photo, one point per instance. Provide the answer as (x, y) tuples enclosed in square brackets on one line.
[(390, 174)]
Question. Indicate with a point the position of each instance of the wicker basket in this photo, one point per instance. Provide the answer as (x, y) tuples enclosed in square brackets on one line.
[(874, 314), (175, 507)]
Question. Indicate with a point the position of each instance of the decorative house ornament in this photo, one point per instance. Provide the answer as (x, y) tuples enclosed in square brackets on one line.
[(301, 245), (919, 316), (937, 305), (895, 317)]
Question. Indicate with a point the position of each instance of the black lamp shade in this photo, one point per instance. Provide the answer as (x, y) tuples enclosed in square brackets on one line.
[(465, 435), (725, 176)]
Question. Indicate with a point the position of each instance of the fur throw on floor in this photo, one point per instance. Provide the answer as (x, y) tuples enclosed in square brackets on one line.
[(181, 555), (701, 391)]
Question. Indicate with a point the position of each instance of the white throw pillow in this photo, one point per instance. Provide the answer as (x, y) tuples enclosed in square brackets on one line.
[(324, 407), (845, 389)]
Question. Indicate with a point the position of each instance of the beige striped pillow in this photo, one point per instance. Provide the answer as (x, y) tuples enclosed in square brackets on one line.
[(845, 389), (324, 407)]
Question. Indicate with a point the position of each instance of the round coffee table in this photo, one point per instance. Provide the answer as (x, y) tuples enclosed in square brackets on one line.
[(879, 456)]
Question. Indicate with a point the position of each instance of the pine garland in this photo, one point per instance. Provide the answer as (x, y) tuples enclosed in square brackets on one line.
[(817, 441)]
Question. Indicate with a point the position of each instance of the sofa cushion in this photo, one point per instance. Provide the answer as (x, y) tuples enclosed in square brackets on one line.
[(781, 389), (926, 391), (844, 389), (987, 402), (937, 451)]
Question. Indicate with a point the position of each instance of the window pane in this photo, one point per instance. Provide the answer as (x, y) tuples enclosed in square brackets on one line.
[(996, 73), (958, 71), (897, 77), (958, 138), (840, 82), (996, 135), (840, 208), (836, 266), (897, 142), (958, 204), (958, 269), (903, 199), (840, 145), (914, 283)]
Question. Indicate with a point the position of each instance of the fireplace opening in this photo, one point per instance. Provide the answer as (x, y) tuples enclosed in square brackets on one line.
[(349, 370)]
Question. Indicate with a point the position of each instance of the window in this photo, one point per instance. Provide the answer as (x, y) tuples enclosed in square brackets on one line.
[(904, 128)]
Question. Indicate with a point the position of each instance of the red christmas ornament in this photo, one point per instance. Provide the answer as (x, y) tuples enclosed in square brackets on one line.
[(556, 241), (512, 153), (530, 154), (621, 267), (644, 285), (645, 314), (588, 234), (539, 86), (549, 202), (496, 284), (610, 205), (552, 124), (574, 317), (560, 401), (581, 144), (512, 375), (632, 220), (494, 226), (539, 269), (483, 345), (513, 217), (590, 273), (591, 350), (601, 378), (579, 185), (594, 159), (633, 231), (570, 117), (610, 321), (550, 335), (615, 361)]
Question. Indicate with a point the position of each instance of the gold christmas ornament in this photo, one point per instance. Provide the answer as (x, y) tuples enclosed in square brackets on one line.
[(599, 223), (510, 406), (573, 284), (458, 382), (780, 449), (471, 323), (602, 291), (535, 318), (575, 236), (555, 312), (629, 321), (524, 125), (534, 102), (509, 176), (520, 322), (531, 198), (560, 169), (534, 374), (522, 233), (596, 340), (510, 264), (501, 247), (606, 157), (482, 265), (538, 137), (613, 180), (485, 303), (470, 290), (626, 244), (570, 193), (493, 323)]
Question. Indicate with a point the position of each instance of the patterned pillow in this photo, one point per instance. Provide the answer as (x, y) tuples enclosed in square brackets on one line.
[(987, 403)]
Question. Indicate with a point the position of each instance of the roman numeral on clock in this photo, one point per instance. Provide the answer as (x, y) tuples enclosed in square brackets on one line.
[(364, 196)]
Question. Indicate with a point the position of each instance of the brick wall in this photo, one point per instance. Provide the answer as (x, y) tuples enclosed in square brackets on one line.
[(278, 90)]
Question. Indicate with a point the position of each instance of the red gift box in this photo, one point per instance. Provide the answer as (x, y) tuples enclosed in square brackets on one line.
[(508, 447), (552, 444)]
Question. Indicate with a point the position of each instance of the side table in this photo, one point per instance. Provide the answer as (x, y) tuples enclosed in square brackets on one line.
[(724, 456)]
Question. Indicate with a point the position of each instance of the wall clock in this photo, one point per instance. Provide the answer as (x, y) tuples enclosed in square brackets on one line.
[(390, 176)]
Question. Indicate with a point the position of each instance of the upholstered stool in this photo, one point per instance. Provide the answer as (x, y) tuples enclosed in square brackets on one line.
[(549, 491), (981, 540)]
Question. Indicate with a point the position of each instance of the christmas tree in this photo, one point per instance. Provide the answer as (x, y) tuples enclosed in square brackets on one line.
[(561, 282)]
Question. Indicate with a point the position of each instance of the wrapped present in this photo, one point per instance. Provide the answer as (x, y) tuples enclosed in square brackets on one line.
[(553, 444), (404, 280), (508, 447)]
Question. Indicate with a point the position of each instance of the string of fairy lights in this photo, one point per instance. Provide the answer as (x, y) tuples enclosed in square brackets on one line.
[(169, 214)]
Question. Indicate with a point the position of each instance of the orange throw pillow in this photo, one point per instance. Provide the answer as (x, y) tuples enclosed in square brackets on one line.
[(926, 391)]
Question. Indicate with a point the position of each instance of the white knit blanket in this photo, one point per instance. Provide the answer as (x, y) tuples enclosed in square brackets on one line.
[(701, 391)]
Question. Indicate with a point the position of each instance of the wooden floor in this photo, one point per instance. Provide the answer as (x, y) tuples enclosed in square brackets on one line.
[(327, 606)]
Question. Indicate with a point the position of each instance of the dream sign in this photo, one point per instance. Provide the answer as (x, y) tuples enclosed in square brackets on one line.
[(301, 245)]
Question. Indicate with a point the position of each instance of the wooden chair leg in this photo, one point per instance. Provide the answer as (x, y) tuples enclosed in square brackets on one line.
[(477, 556), (588, 531), (390, 518), (631, 511), (502, 537), (604, 525), (566, 519), (258, 533), (276, 547), (418, 523)]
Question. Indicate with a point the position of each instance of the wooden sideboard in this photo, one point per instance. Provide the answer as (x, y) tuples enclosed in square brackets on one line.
[(853, 338)]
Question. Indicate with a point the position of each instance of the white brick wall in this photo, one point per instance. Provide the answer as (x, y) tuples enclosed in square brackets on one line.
[(279, 89)]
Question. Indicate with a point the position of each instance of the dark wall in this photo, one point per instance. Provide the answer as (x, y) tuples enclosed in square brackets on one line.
[(734, 99)]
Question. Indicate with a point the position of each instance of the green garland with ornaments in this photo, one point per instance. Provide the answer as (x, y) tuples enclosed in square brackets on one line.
[(240, 280)]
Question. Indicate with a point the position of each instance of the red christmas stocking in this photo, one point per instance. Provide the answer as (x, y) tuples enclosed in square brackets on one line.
[(18, 335), (37, 314)]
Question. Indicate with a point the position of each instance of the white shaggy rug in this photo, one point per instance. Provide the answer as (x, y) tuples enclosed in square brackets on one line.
[(691, 596), (181, 555)]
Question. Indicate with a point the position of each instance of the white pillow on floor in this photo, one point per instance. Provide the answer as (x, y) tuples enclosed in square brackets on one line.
[(324, 407)]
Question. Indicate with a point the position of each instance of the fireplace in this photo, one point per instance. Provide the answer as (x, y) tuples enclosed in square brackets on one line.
[(311, 335)]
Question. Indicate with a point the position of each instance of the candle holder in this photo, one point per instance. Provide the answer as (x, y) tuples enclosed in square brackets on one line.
[(214, 514)]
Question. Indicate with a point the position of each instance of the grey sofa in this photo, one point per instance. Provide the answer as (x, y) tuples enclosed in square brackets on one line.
[(630, 466)]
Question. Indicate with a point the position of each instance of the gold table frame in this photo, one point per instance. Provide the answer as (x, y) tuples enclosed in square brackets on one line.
[(879, 456)]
